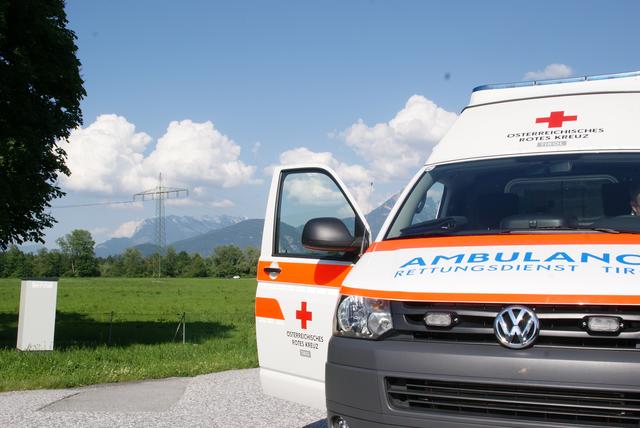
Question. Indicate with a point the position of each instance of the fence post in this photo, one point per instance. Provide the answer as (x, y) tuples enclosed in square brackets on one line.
[(184, 327), (181, 323)]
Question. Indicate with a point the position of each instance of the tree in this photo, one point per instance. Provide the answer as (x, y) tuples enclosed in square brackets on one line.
[(198, 268), (169, 262), (16, 264), (108, 268), (40, 93), (250, 265), (49, 263), (150, 265), (78, 247), (227, 261), (182, 263), (132, 262)]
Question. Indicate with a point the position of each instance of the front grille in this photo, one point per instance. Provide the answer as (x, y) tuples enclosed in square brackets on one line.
[(560, 325), (542, 404)]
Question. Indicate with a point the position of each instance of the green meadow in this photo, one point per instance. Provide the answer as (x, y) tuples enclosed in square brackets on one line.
[(122, 329)]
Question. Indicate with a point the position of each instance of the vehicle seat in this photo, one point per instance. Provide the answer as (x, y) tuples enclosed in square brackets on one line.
[(489, 209)]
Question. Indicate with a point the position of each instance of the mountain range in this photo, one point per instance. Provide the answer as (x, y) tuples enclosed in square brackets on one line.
[(202, 236), (177, 228)]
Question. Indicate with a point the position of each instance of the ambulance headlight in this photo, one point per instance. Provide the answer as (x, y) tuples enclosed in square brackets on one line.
[(363, 317)]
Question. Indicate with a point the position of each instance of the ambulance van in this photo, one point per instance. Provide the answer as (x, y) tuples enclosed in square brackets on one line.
[(503, 289)]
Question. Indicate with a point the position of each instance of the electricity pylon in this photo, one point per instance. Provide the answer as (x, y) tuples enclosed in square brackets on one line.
[(159, 194)]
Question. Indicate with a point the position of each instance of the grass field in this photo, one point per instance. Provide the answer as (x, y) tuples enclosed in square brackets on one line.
[(118, 329)]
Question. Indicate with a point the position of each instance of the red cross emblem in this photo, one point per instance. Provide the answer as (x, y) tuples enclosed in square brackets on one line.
[(303, 315), (556, 119)]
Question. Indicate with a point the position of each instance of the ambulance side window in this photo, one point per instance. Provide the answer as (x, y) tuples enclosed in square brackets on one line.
[(303, 196)]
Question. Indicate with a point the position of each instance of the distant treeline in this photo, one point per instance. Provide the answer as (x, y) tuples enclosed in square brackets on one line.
[(76, 257)]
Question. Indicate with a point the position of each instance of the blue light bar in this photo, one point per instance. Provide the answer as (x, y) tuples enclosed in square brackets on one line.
[(554, 81)]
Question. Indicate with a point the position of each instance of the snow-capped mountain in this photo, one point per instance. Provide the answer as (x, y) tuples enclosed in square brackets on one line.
[(202, 235), (377, 216), (177, 228)]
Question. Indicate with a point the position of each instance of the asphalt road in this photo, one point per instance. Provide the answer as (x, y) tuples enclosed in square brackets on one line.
[(226, 399)]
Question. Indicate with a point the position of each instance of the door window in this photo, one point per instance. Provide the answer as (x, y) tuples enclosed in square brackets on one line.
[(304, 196)]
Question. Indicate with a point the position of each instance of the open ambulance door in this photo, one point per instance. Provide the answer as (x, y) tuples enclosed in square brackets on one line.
[(298, 288)]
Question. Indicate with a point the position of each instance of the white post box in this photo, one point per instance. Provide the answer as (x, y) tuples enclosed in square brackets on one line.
[(37, 318)]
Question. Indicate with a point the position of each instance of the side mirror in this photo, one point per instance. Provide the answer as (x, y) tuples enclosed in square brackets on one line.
[(328, 234)]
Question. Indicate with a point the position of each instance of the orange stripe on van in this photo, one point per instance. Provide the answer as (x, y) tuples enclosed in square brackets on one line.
[(495, 240), (319, 274), (268, 308), (569, 299)]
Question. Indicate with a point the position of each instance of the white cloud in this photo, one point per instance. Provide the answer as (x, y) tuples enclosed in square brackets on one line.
[(108, 157), (98, 232), (348, 172), (197, 152), (394, 149), (256, 148), (127, 229), (551, 71), (105, 156), (199, 191), (225, 203), (313, 189), (356, 177)]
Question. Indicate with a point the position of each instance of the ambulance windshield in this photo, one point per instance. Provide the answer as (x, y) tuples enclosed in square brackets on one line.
[(532, 194)]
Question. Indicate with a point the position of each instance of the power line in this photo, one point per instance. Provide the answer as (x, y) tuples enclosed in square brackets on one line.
[(93, 204), (159, 194), (170, 194)]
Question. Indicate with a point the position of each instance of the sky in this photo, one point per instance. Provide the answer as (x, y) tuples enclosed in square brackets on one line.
[(213, 94)]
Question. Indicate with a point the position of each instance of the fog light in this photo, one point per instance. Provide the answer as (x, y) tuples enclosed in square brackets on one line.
[(604, 324), (438, 319), (339, 422)]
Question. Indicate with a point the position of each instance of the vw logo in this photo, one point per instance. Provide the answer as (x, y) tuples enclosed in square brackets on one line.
[(516, 327)]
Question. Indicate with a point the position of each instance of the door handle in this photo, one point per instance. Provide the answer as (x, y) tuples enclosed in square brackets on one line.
[(270, 269)]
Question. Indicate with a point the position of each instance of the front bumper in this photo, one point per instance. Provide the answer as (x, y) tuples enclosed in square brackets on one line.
[(356, 375)]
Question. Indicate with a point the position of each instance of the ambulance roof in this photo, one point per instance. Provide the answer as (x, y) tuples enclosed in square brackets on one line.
[(591, 113), (541, 88)]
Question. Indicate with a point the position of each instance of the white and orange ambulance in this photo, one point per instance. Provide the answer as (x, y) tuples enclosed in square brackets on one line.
[(503, 288)]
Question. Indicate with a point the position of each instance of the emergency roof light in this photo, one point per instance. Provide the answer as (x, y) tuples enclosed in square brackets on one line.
[(554, 81)]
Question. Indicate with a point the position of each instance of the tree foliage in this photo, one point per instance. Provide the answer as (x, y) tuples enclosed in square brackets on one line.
[(78, 246), (198, 268), (16, 264), (49, 264), (251, 256), (133, 264), (76, 258), (40, 93), (228, 261)]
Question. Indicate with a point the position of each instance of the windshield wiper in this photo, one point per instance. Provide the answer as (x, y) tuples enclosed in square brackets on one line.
[(611, 230), (453, 225), (618, 224), (600, 229), (588, 229), (439, 226)]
